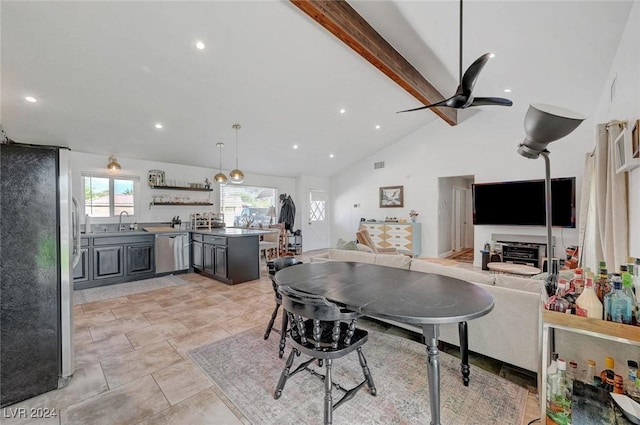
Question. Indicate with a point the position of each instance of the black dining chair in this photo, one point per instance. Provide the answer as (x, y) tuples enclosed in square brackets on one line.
[(273, 267), (322, 330)]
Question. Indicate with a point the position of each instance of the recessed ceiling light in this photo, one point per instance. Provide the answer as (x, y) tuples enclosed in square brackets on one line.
[(158, 125), (507, 90), (295, 146), (200, 45), (378, 127), (31, 99), (342, 111), (492, 55), (331, 155)]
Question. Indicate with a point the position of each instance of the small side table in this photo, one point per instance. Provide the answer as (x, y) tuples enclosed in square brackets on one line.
[(517, 269)]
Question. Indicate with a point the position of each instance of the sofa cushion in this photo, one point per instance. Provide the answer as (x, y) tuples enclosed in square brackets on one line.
[(519, 283), (342, 244), (456, 272), (393, 260), (357, 256)]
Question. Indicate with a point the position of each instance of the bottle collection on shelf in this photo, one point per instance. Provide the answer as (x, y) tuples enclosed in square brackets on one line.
[(561, 375), (609, 296)]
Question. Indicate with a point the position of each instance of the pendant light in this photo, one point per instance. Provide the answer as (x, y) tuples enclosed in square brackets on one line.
[(220, 177), (236, 176), (113, 164)]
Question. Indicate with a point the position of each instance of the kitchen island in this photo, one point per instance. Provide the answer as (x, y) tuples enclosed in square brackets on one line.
[(230, 255)]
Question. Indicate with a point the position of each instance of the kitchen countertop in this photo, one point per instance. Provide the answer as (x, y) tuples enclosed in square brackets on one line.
[(221, 231), (232, 232)]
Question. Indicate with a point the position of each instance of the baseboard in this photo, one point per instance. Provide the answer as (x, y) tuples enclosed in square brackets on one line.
[(445, 254)]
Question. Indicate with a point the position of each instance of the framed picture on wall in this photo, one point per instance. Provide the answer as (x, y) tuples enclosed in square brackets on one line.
[(635, 140), (392, 197)]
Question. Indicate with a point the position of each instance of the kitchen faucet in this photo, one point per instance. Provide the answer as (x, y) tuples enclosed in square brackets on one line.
[(120, 225)]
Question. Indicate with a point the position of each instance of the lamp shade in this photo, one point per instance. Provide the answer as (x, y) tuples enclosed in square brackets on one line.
[(544, 124)]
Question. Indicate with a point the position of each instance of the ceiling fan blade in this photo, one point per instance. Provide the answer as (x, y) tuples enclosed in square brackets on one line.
[(491, 101), (471, 74), (433, 105)]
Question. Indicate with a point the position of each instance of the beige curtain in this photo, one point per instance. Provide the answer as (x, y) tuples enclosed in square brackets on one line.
[(604, 226)]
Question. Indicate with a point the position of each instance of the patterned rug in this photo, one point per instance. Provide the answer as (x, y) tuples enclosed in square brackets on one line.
[(246, 368), (465, 255), (82, 296)]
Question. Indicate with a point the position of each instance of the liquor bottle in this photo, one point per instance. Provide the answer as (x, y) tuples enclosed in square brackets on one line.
[(552, 369), (588, 304), (608, 375), (551, 283), (617, 305), (589, 373), (603, 286), (576, 284), (627, 289), (561, 304), (559, 405)]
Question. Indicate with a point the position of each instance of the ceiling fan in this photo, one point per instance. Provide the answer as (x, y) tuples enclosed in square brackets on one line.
[(463, 97)]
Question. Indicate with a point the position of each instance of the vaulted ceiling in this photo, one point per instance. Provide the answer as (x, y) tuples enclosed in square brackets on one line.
[(104, 73)]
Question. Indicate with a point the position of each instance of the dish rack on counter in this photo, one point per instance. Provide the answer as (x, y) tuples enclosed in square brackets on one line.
[(207, 220)]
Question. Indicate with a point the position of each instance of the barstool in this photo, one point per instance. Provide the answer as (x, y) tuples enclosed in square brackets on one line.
[(273, 267)]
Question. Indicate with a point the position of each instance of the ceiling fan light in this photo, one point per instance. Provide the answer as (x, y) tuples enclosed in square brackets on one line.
[(113, 164)]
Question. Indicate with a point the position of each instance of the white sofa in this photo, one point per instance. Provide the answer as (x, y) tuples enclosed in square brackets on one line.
[(510, 333)]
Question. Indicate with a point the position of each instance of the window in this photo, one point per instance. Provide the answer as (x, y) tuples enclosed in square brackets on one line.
[(245, 206), (108, 196), (317, 205)]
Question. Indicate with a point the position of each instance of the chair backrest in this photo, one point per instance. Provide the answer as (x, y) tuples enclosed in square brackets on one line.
[(280, 238), (364, 238), (274, 266), (328, 319)]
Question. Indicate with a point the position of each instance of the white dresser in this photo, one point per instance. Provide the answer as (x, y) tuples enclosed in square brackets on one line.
[(403, 236)]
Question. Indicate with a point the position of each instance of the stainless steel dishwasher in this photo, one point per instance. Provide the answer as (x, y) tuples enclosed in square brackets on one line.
[(172, 252)]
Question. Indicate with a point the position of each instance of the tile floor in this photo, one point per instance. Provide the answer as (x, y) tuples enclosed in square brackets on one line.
[(132, 365)]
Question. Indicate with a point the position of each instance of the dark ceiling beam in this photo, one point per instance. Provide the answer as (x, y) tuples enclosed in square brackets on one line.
[(339, 18)]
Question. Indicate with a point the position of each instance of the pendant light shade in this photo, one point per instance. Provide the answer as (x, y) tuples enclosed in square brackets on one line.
[(236, 176), (220, 177), (113, 164)]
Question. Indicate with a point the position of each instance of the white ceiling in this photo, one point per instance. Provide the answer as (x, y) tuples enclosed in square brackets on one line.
[(105, 72)]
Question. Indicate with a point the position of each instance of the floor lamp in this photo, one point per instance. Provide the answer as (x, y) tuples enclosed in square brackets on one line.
[(544, 124)]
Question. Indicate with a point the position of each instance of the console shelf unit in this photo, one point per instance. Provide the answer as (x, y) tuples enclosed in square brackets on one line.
[(612, 331)]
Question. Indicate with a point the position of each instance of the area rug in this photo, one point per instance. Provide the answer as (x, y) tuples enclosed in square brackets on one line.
[(246, 369), (82, 296)]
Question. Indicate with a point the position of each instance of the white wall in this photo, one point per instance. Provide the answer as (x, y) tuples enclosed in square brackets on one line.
[(85, 162), (483, 145), (626, 106)]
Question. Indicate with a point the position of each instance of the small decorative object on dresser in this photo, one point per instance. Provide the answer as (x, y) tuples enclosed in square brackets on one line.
[(392, 197), (413, 214)]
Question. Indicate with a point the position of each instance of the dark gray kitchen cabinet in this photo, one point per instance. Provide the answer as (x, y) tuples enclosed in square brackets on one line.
[(108, 261), (220, 266), (208, 258), (114, 258), (140, 258), (81, 270), (197, 253), (229, 259)]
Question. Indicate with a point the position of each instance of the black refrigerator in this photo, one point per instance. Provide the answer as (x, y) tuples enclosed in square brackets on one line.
[(37, 252)]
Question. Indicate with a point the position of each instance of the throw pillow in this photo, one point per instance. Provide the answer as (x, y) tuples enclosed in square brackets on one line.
[(363, 248), (342, 244)]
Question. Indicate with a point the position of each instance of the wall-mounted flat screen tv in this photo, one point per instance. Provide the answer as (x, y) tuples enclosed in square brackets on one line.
[(522, 203)]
